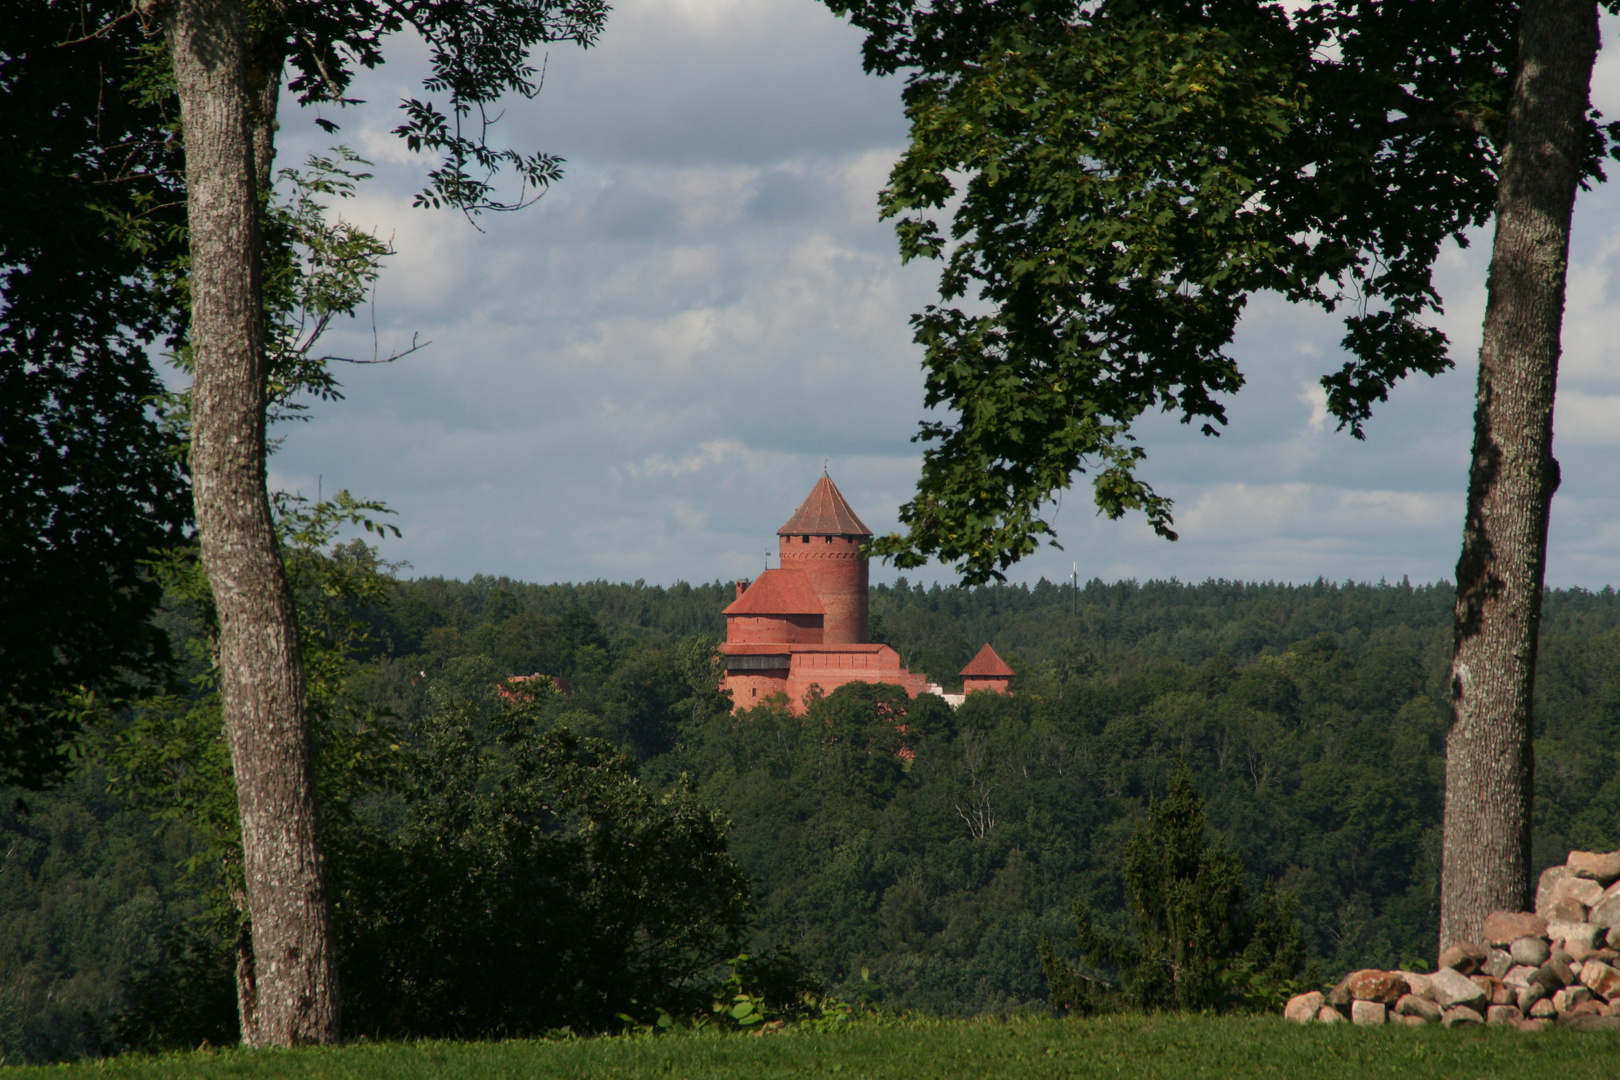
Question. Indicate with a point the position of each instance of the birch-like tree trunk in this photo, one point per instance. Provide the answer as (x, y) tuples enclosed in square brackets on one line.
[(290, 996), (1490, 765)]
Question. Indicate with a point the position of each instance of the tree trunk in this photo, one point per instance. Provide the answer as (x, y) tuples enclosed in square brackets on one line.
[(267, 57), (290, 996), (1490, 766)]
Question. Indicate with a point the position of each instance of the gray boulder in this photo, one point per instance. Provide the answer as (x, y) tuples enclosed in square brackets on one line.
[(1550, 877), (1532, 951), (1461, 1016), (1451, 988), (1302, 1008), (1423, 1009)]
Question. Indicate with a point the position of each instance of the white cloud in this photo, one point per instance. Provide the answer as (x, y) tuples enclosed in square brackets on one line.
[(1314, 396), (713, 452)]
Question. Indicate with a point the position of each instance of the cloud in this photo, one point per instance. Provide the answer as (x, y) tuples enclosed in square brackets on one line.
[(641, 375), (713, 452), (701, 82), (1232, 512), (1315, 397), (1586, 420)]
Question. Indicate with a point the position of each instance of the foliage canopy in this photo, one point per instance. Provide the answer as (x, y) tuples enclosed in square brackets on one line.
[(93, 278), (479, 51), (492, 872), (1120, 178), (91, 480)]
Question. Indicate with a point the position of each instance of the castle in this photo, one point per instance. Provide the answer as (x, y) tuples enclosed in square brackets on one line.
[(804, 624)]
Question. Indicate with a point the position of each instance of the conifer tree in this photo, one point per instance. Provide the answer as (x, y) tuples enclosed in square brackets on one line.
[(1197, 943)]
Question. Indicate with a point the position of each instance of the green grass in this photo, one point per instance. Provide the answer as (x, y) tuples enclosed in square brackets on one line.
[(1173, 1048)]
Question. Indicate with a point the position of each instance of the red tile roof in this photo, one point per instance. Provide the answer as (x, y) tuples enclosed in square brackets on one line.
[(824, 513), (778, 592), (988, 665), (755, 648), (770, 648)]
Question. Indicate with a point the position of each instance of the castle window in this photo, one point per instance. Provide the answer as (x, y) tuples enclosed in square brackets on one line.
[(827, 539)]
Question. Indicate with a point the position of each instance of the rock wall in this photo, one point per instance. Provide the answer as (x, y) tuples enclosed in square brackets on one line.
[(1560, 963)]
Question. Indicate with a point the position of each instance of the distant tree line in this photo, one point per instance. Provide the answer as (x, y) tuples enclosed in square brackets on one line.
[(907, 854)]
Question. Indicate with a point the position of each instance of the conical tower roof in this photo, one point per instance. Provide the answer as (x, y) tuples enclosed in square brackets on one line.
[(824, 513), (988, 665)]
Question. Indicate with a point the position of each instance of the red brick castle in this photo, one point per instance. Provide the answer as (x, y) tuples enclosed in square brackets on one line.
[(805, 624)]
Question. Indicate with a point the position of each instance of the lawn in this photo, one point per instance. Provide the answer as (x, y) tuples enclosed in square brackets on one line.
[(1173, 1048)]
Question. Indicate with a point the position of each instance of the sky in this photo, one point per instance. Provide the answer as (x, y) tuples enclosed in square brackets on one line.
[(642, 375)]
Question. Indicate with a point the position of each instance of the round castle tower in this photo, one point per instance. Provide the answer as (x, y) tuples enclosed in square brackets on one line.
[(823, 539)]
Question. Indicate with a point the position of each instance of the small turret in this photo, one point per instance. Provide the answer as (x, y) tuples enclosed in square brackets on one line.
[(986, 671)]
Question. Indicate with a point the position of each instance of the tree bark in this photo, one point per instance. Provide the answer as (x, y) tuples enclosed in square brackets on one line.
[(1490, 765), (290, 995)]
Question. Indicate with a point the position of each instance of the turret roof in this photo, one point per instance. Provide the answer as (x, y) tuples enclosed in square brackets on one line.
[(988, 665), (824, 513), (778, 592)]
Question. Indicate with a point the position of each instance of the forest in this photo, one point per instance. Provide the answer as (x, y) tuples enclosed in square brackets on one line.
[(607, 837), (310, 801)]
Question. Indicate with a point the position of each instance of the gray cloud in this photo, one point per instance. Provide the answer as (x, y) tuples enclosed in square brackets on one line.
[(640, 376), (705, 82)]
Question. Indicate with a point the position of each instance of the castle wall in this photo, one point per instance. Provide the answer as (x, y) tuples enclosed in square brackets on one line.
[(839, 574), (749, 688), (775, 629), (829, 667)]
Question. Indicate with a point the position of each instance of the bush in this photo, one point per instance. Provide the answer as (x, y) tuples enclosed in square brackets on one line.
[(512, 880)]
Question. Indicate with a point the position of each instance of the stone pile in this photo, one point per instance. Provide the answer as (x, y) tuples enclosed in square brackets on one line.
[(1560, 963)]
